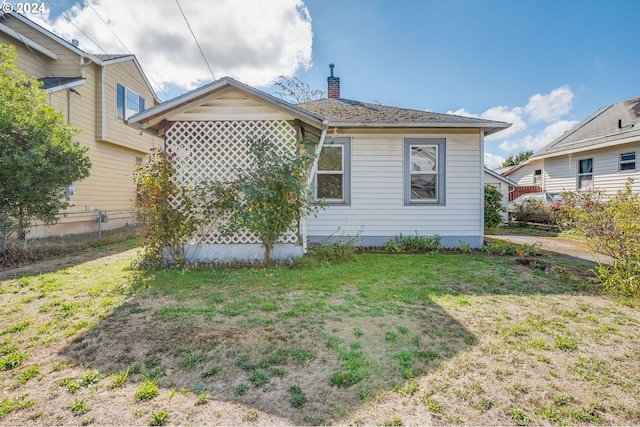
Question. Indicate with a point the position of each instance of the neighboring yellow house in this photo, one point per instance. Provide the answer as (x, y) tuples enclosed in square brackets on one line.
[(96, 94)]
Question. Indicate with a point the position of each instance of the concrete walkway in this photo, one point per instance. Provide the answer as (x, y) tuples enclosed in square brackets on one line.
[(566, 247)]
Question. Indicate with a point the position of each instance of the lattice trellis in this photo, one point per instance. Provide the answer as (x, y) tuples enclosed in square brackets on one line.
[(216, 150)]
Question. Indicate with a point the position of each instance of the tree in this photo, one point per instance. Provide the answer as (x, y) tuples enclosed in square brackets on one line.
[(521, 157), (273, 194), (38, 157), (292, 90), (493, 206)]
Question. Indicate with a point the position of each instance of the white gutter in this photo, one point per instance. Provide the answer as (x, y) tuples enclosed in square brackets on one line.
[(312, 172)]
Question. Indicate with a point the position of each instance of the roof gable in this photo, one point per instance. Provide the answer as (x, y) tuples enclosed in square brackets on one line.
[(609, 125), (223, 99)]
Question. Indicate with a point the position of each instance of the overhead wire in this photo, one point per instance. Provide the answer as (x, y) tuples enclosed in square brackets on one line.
[(195, 39)]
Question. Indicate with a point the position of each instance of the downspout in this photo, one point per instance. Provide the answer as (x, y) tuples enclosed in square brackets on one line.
[(102, 104), (312, 172), (482, 185)]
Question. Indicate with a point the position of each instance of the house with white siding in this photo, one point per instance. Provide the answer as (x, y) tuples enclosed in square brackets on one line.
[(95, 93), (599, 152), (383, 171)]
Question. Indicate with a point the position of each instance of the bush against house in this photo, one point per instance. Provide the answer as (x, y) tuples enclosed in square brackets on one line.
[(38, 157)]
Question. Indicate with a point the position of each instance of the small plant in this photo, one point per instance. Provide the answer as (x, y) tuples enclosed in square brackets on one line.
[(147, 390), (251, 416), (259, 378), (432, 404), (190, 361), (241, 389), (393, 421), (392, 246), (211, 371), (358, 332), (159, 418), (520, 417), (79, 408), (566, 344), (298, 398), (464, 247), (202, 399), (25, 376), (119, 379)]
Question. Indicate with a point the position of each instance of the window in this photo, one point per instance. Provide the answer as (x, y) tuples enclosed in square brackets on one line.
[(628, 162), (585, 174), (128, 102), (334, 175), (424, 171), (537, 176)]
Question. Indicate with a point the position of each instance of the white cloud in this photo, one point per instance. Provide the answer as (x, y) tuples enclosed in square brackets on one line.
[(254, 41), (550, 107), (493, 161), (540, 139), (499, 113)]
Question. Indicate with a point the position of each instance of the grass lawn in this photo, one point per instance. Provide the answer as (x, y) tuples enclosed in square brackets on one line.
[(383, 340)]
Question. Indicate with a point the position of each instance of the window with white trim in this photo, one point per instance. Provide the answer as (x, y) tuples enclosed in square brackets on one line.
[(537, 176), (333, 176), (585, 174), (128, 102), (628, 162), (424, 171)]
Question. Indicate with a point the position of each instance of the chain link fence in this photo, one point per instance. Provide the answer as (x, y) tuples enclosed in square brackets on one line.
[(74, 232)]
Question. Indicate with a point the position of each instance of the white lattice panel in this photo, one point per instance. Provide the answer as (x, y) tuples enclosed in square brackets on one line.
[(216, 150)]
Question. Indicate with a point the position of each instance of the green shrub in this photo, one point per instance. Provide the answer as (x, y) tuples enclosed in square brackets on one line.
[(493, 207), (611, 227)]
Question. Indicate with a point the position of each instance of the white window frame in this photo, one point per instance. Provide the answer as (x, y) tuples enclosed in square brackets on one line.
[(122, 115), (344, 144), (537, 176), (622, 162), (440, 145), (584, 175)]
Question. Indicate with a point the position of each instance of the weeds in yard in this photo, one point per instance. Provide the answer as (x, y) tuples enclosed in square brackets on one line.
[(393, 421), (211, 371), (26, 375), (119, 379), (159, 418), (241, 389), (202, 399), (147, 390), (9, 405), (298, 398), (78, 408), (259, 378), (519, 416), (354, 364)]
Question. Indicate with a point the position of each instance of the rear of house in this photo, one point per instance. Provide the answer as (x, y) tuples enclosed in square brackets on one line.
[(384, 172)]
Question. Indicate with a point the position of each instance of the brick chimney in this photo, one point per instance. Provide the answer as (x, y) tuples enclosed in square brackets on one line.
[(333, 85)]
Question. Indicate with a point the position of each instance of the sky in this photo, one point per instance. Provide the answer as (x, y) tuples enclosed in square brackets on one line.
[(542, 65)]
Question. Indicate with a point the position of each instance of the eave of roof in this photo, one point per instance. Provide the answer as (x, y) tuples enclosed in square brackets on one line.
[(342, 112), (55, 84), (206, 90)]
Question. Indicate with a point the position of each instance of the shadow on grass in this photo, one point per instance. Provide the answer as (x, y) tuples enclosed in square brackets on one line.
[(340, 333)]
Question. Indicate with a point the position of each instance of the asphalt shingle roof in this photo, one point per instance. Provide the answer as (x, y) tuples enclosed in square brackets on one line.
[(345, 111)]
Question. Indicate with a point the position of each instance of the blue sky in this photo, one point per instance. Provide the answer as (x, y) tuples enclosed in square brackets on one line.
[(543, 65)]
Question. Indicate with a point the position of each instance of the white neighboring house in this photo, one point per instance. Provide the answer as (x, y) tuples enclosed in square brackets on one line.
[(600, 152), (503, 184), (383, 171)]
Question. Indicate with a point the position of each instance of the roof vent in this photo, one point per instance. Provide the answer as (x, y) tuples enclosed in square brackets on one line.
[(74, 42)]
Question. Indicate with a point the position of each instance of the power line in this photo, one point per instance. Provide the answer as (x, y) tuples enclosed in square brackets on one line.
[(196, 40)]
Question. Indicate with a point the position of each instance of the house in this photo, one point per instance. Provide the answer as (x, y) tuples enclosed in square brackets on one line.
[(599, 152), (96, 94), (383, 171), (503, 184)]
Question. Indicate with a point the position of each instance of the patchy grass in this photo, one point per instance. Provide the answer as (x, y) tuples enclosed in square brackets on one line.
[(382, 340)]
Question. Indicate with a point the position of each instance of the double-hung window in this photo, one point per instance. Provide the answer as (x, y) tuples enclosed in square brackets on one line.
[(128, 102), (333, 177), (628, 162), (424, 166), (537, 176), (585, 174)]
